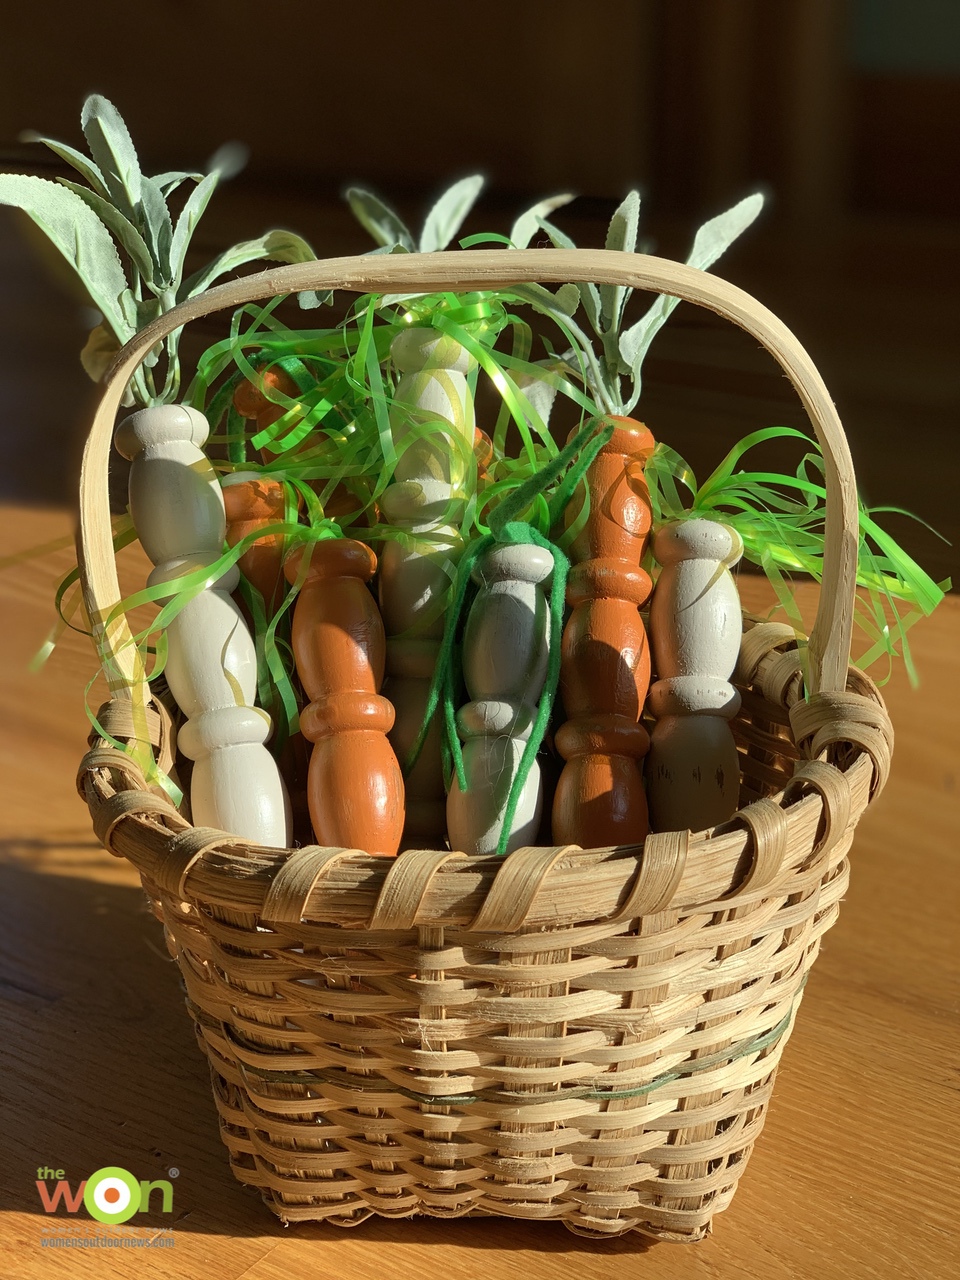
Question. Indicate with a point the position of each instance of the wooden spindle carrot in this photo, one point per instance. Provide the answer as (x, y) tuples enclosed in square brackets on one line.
[(415, 574), (355, 788), (254, 502), (483, 452), (693, 771), (253, 402), (505, 655), (177, 509), (605, 658)]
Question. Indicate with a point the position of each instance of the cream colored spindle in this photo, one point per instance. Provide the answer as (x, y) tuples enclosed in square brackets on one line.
[(177, 509), (505, 658), (426, 494), (693, 771)]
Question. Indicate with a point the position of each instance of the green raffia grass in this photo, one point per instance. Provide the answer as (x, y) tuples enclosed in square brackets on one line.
[(781, 521)]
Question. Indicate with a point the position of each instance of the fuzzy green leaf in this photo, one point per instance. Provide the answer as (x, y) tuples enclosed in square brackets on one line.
[(717, 235), (379, 219), (446, 217), (276, 246), (157, 230), (559, 239), (190, 215), (529, 222), (113, 151), (589, 293), (124, 230), (310, 299), (567, 298), (168, 182), (590, 297), (98, 353), (622, 236), (85, 167), (139, 312), (539, 393), (550, 304), (709, 243), (80, 236)]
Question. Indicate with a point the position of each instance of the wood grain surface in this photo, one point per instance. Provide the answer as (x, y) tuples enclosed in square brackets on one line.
[(856, 1172)]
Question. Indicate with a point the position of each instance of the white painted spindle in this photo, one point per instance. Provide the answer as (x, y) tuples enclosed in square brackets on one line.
[(177, 509), (427, 493), (693, 772), (505, 655)]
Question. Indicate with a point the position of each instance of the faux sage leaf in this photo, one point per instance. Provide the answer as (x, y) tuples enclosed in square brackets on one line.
[(544, 301), (709, 243), (529, 222), (113, 151), (622, 232), (590, 297), (589, 293), (86, 168), (621, 235), (277, 246), (79, 235), (559, 239), (168, 182), (446, 217), (190, 215), (539, 394), (157, 230), (310, 299), (97, 355), (717, 235), (113, 219), (139, 312), (567, 298), (379, 219)]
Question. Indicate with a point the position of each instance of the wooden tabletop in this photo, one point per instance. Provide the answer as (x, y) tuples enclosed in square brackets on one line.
[(854, 1176)]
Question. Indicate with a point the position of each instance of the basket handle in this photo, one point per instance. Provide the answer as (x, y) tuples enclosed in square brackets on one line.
[(829, 651)]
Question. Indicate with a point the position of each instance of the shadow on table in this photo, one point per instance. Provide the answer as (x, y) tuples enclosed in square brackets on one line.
[(101, 1067)]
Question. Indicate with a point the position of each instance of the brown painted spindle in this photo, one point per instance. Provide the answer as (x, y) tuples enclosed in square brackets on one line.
[(605, 658), (355, 788)]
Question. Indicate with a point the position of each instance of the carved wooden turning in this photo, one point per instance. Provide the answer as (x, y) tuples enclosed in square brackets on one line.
[(252, 402), (354, 787), (426, 496), (255, 502), (605, 658), (177, 508), (505, 657), (693, 772)]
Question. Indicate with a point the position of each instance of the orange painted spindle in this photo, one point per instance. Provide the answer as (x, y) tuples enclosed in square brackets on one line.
[(605, 658), (355, 788), (254, 502), (251, 402)]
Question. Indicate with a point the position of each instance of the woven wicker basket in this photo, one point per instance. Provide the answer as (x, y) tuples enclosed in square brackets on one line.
[(583, 1035)]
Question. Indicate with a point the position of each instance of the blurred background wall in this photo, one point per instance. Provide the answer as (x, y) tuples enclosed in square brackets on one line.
[(845, 112)]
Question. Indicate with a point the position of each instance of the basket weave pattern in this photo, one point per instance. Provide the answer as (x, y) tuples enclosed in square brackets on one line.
[(589, 1036)]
